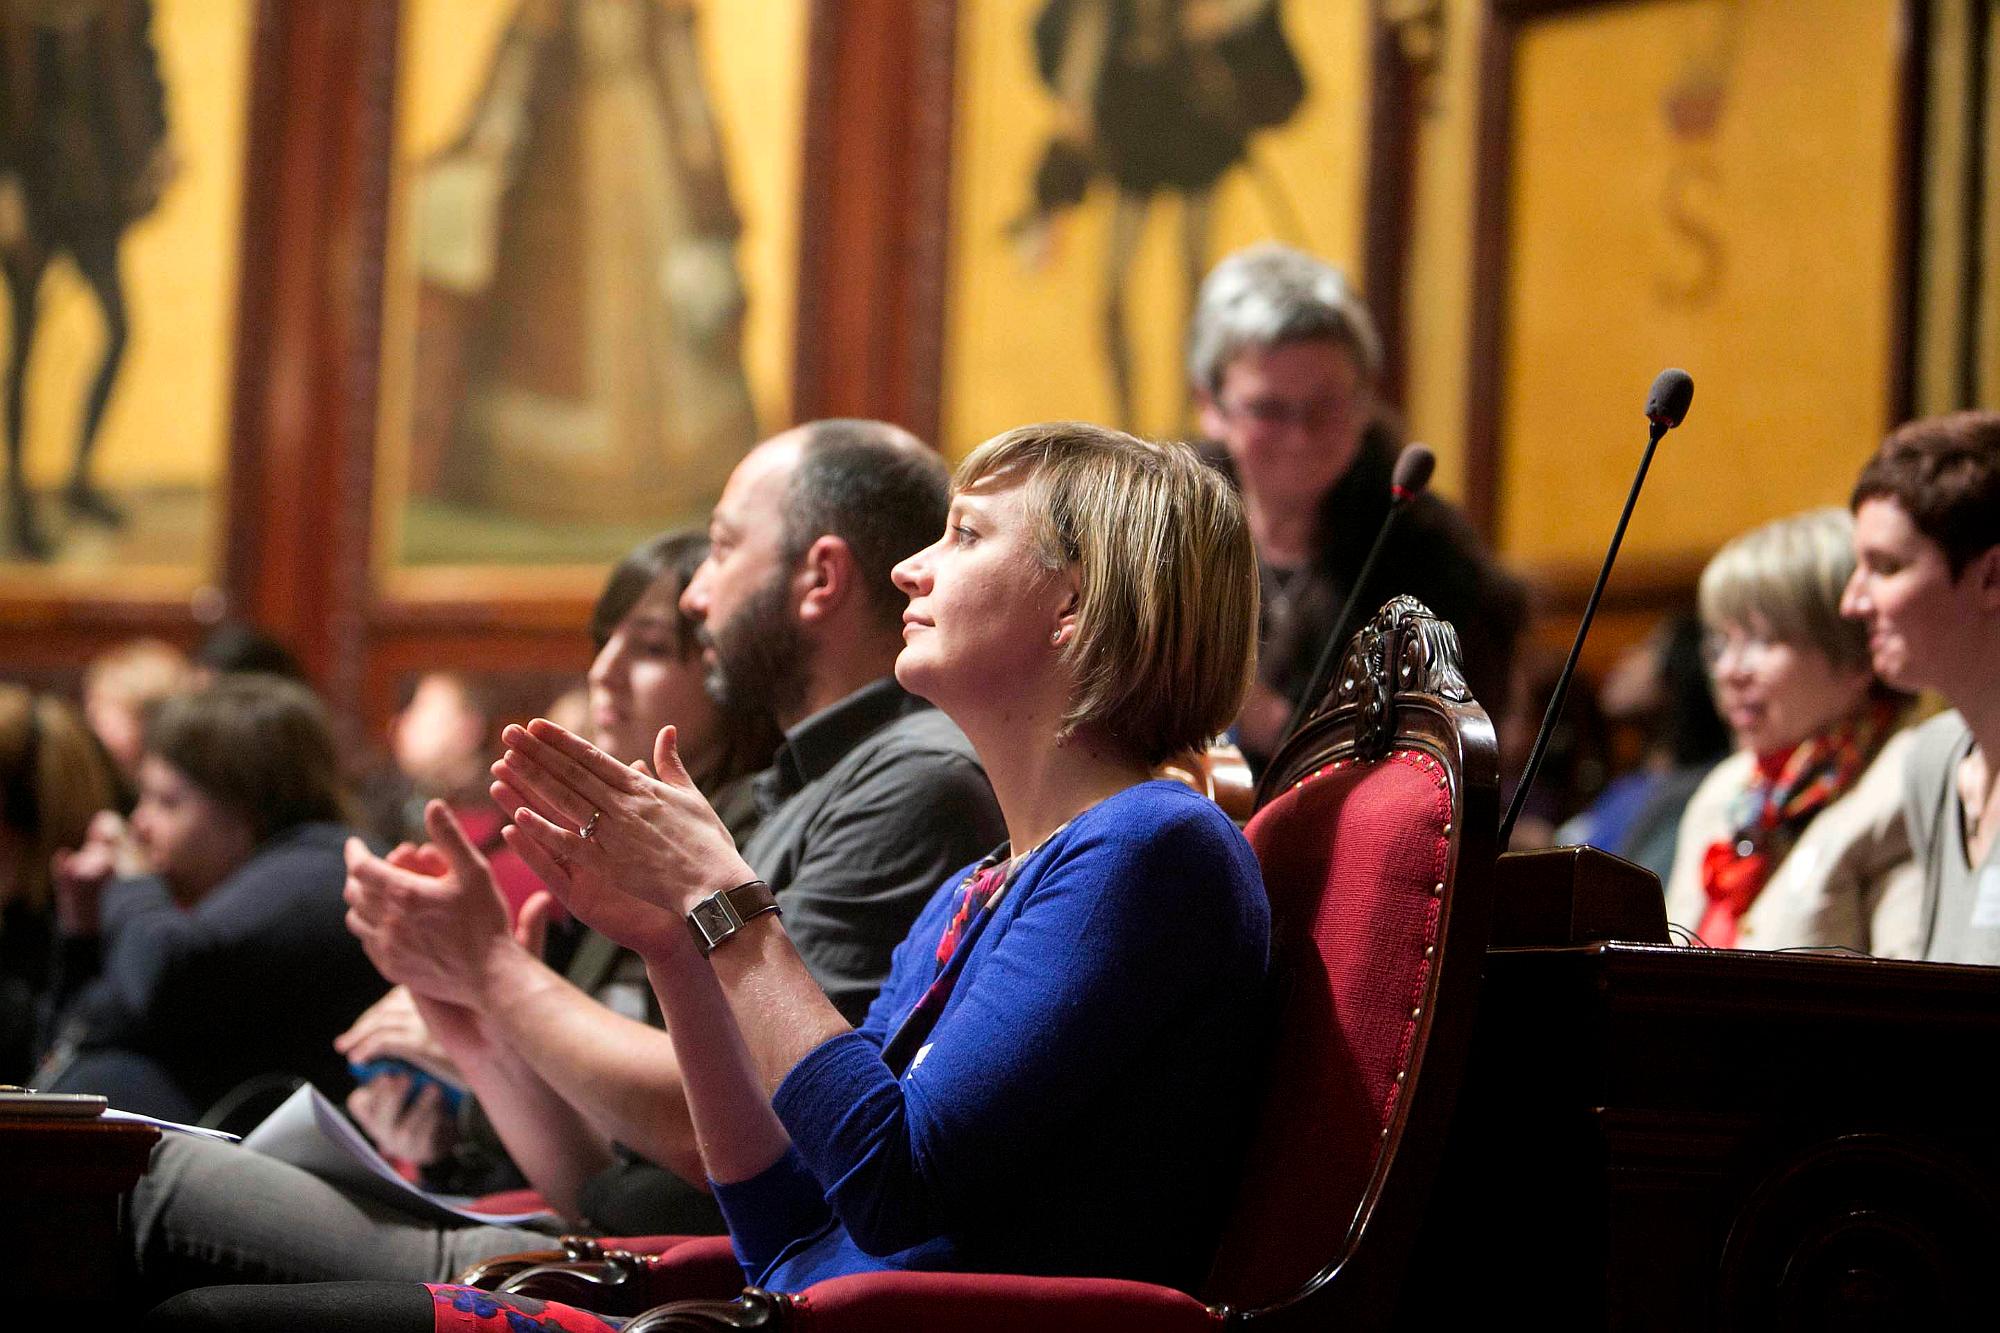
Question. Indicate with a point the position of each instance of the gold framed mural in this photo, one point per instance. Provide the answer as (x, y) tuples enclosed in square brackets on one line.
[(589, 287), (1729, 204), (1106, 153), (122, 136)]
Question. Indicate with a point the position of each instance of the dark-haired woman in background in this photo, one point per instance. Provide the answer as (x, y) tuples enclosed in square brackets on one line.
[(647, 672), (230, 960)]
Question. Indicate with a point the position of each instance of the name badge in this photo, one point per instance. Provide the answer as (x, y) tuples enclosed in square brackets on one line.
[(1986, 903)]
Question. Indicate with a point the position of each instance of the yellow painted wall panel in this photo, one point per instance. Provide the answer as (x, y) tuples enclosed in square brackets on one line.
[(1710, 185), (1025, 340)]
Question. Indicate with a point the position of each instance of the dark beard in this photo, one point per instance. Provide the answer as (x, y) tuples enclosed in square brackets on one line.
[(761, 659)]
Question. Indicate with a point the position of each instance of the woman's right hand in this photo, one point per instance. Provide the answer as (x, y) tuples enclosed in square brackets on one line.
[(80, 876)]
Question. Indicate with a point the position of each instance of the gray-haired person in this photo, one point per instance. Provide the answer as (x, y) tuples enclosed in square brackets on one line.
[(1284, 360)]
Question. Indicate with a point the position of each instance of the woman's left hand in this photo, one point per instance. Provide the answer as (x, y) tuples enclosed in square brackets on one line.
[(628, 853)]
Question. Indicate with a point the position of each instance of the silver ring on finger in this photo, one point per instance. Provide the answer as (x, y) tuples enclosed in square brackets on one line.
[(590, 825)]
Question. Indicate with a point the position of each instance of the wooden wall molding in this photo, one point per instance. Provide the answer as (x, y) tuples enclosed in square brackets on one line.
[(875, 211)]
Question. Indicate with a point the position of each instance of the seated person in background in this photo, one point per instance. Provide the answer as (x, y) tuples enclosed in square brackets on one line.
[(1926, 589), (1053, 1073), (1283, 359), (238, 648), (1661, 685), (1797, 839), (442, 741), (119, 688), (230, 960), (54, 780), (872, 798), (647, 672)]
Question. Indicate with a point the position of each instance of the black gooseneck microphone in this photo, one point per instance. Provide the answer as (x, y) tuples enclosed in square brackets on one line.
[(1666, 408), (1413, 473)]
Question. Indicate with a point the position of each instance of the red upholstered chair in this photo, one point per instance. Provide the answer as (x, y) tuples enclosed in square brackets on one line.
[(1375, 830)]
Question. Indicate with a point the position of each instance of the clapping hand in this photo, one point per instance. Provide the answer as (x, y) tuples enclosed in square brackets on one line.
[(429, 917), (79, 876), (627, 852)]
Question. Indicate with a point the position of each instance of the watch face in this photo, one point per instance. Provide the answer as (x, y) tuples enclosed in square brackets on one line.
[(712, 922)]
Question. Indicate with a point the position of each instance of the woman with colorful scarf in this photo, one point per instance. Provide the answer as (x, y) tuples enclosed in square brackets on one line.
[(1797, 840)]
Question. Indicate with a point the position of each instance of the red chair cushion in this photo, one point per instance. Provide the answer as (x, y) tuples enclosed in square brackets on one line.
[(509, 1201), (994, 1303), (1352, 857), (689, 1268)]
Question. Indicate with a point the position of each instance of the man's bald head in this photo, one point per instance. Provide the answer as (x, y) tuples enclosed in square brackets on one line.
[(875, 486)]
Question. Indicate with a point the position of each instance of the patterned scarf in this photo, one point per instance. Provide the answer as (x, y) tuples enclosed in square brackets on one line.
[(982, 890), (1787, 789)]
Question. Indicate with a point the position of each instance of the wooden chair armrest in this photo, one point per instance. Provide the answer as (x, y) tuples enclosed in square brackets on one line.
[(490, 1274)]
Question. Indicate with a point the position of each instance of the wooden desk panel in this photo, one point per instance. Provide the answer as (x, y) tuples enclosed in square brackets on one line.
[(1656, 1138), (59, 1217)]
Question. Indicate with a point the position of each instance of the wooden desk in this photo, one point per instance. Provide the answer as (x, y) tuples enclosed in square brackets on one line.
[(1657, 1138), (60, 1181)]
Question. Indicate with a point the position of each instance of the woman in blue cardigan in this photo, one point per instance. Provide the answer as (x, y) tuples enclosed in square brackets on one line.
[(1051, 1078)]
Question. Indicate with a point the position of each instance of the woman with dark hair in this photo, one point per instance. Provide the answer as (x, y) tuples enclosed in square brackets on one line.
[(230, 960), (54, 780), (647, 671), (1926, 587), (641, 677)]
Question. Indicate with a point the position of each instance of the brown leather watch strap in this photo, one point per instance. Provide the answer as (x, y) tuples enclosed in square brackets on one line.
[(720, 915)]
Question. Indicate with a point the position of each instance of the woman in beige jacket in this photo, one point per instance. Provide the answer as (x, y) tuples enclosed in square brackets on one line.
[(1797, 840)]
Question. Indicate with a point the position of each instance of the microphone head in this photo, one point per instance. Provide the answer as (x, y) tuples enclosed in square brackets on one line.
[(1413, 472), (1667, 404)]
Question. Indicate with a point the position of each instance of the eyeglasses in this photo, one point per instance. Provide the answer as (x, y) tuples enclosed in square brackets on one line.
[(1748, 650), (1278, 413)]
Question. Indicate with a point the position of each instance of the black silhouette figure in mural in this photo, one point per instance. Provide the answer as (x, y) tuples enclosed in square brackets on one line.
[(83, 155), (1157, 96)]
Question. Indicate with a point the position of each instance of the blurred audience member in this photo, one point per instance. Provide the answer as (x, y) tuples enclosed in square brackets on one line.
[(1283, 360), (54, 780), (232, 960), (1576, 763), (442, 742), (236, 647), (570, 710), (1926, 590), (1661, 686), (121, 685), (1796, 840)]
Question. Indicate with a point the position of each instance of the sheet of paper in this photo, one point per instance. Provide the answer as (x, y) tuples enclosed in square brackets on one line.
[(171, 1126), (314, 1135)]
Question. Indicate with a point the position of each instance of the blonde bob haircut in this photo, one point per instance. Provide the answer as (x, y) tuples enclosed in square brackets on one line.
[(1787, 576), (1166, 622)]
